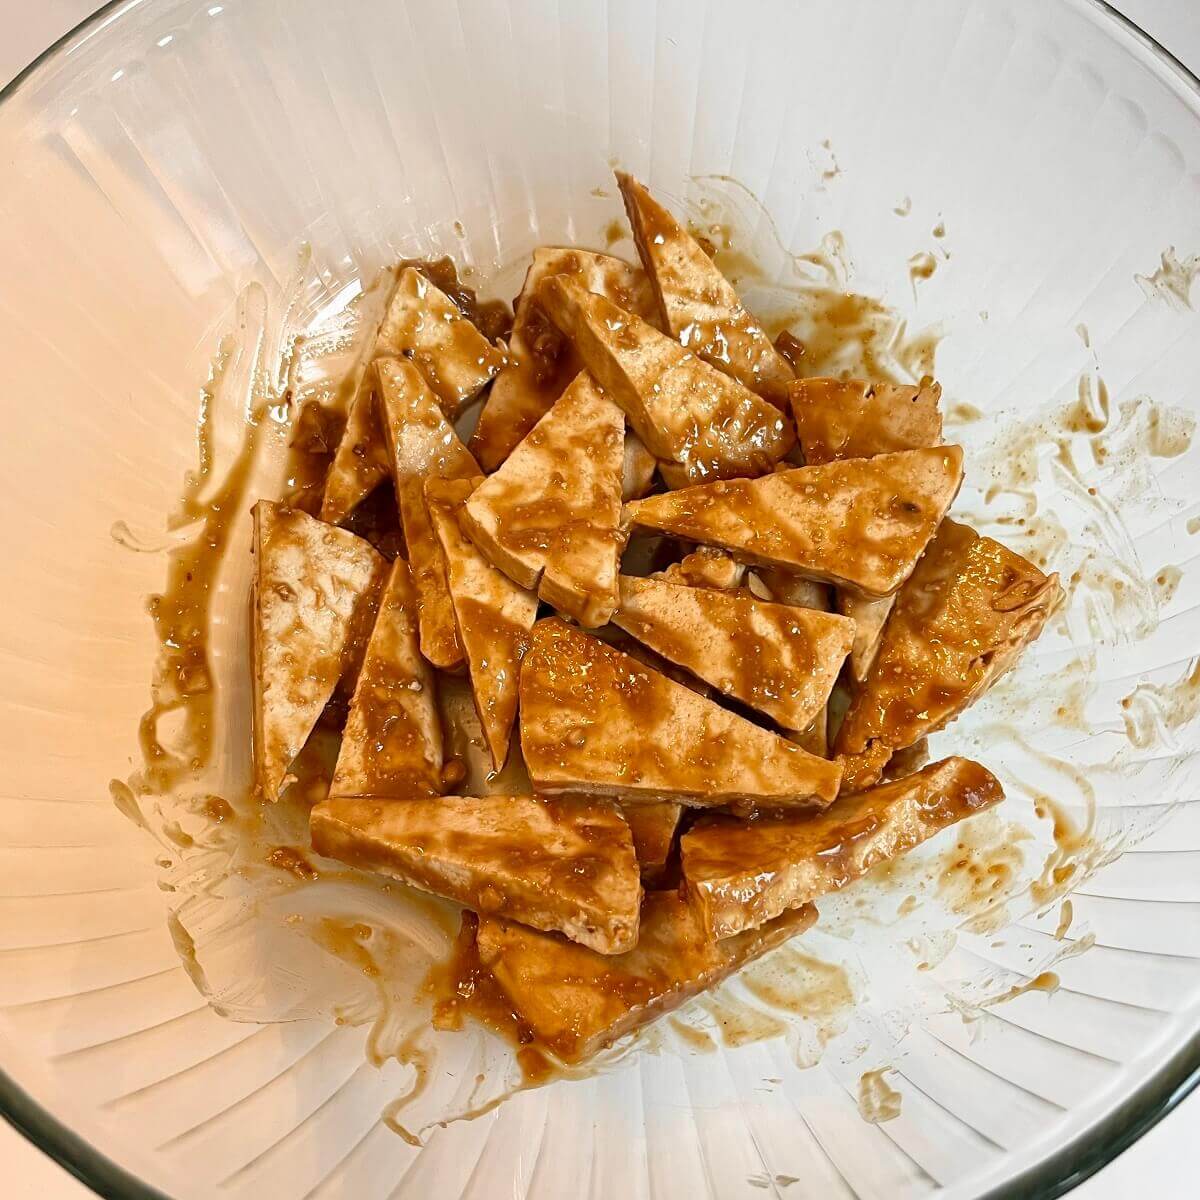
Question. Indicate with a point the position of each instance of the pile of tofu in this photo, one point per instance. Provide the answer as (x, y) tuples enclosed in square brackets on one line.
[(678, 758)]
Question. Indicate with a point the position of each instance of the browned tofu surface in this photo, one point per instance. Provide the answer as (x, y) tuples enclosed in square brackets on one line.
[(423, 325), (360, 462), (705, 567), (493, 615), (741, 874), (313, 586), (699, 305), (653, 826), (596, 721), (469, 768), (576, 1002), (549, 518), (559, 864), (541, 361), (860, 523), (778, 659), (421, 443), (849, 418), (392, 742), (962, 619), (870, 616), (686, 412)]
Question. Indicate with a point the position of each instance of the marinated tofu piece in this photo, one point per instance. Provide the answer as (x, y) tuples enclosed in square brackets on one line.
[(786, 587), (705, 567), (780, 660), (850, 418), (421, 443), (360, 463), (596, 721), (576, 1002), (468, 768), (423, 325), (861, 523), (315, 590), (742, 874), (541, 361), (962, 619), (637, 468), (687, 413), (563, 864), (653, 826), (493, 615), (550, 517), (392, 743), (699, 305)]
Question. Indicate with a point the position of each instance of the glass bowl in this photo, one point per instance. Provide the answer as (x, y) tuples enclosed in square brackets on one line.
[(189, 187)]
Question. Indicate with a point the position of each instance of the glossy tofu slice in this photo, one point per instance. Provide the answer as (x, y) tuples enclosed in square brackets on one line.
[(421, 443), (314, 595), (541, 361), (550, 517), (687, 413), (653, 826), (360, 463), (392, 743), (705, 567), (780, 660), (422, 324), (494, 615), (566, 865), (850, 418), (870, 617), (576, 1002), (962, 619), (741, 874), (861, 523), (597, 721), (469, 769), (637, 468), (699, 305)]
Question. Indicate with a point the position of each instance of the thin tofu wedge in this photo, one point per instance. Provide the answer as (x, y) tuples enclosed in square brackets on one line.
[(576, 1002), (849, 418), (421, 443), (742, 874), (962, 619), (653, 826), (550, 517), (314, 594), (422, 324), (565, 865), (699, 305), (705, 567), (469, 770), (494, 615), (687, 413), (392, 743), (781, 661), (786, 587), (596, 721), (637, 468), (360, 463), (861, 523), (541, 362)]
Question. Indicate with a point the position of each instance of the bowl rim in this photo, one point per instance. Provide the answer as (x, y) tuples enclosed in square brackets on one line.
[(1053, 1176)]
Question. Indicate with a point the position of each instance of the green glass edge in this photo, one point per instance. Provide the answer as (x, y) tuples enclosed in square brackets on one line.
[(1049, 1179)]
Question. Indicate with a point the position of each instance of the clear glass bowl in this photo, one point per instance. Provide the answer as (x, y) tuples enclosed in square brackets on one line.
[(165, 168)]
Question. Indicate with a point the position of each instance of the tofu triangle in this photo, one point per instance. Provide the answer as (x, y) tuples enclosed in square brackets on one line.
[(493, 615), (564, 865), (595, 720), (549, 518), (861, 523), (689, 415), (314, 595), (421, 443), (779, 660), (699, 305), (392, 742)]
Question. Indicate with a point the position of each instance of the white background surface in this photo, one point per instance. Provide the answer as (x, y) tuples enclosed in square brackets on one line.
[(1164, 1164)]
